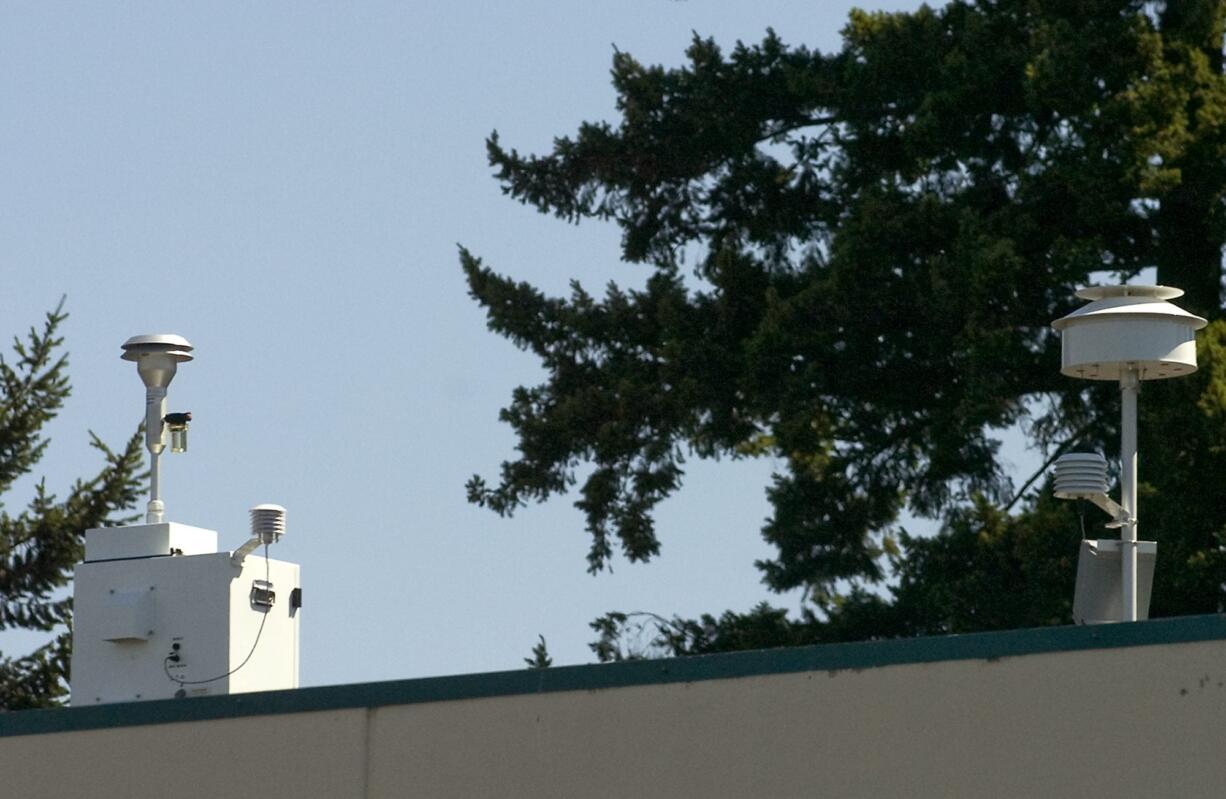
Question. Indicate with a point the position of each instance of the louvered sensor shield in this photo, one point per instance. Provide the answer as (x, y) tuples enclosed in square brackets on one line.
[(268, 523), (267, 527), (1081, 475)]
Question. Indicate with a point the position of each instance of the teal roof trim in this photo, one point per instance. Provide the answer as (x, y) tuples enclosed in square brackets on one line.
[(826, 657)]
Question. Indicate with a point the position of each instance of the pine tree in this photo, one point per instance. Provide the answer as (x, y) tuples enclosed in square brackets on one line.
[(40, 545), (878, 239), (540, 655)]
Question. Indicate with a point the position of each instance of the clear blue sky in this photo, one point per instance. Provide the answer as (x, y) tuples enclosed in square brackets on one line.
[(285, 185)]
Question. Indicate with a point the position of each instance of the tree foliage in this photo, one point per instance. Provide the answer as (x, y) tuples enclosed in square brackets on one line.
[(40, 545), (853, 260), (540, 655)]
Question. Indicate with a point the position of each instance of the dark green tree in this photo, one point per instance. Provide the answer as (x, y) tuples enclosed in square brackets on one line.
[(852, 260), (540, 655), (40, 545)]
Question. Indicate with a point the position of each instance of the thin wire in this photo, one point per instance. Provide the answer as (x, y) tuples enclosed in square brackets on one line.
[(166, 662)]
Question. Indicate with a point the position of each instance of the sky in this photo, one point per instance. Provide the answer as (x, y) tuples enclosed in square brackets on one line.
[(286, 184)]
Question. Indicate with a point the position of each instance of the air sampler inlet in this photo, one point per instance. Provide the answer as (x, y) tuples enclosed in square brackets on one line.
[(157, 358)]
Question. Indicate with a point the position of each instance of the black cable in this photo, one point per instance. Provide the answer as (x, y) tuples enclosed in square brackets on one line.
[(167, 661)]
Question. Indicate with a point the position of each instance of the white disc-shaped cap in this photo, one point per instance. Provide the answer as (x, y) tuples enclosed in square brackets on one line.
[(1152, 292), (177, 347)]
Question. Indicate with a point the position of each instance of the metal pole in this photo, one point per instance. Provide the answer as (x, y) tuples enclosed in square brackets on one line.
[(155, 510), (1129, 387), (155, 409)]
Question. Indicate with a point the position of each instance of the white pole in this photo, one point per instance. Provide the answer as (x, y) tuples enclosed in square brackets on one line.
[(155, 409), (1129, 386), (155, 510)]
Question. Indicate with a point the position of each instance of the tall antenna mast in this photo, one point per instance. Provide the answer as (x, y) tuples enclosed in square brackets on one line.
[(157, 359)]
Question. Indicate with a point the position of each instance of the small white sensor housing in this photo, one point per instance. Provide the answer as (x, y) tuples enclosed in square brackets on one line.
[(1083, 475), (267, 527)]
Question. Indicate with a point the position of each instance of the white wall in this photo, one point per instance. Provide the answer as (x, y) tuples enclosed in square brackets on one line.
[(1133, 721)]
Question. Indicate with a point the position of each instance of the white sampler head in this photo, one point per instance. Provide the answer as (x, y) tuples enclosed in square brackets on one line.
[(1128, 329), (157, 357)]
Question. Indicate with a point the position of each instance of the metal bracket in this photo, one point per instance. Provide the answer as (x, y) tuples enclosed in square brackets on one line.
[(242, 552), (1119, 516), (262, 595)]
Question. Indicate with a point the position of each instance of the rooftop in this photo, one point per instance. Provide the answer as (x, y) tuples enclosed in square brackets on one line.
[(990, 646)]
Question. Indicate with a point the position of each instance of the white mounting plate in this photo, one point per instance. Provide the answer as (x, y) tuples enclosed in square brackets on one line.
[(1097, 597)]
